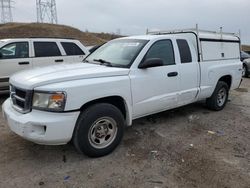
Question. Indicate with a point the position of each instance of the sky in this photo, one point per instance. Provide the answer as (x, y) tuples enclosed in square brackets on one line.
[(134, 17)]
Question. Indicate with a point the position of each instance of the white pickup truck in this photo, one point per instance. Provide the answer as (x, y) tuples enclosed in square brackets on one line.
[(90, 103)]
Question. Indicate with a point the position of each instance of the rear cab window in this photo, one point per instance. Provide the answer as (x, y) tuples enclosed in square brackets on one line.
[(72, 49), (46, 49), (185, 52)]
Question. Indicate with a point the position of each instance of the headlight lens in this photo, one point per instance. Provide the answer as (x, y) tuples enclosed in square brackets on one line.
[(51, 101)]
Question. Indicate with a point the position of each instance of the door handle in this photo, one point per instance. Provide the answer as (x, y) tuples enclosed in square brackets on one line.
[(24, 63), (172, 74), (58, 60)]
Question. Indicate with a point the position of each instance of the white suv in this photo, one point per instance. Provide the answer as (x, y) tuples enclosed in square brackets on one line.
[(19, 54)]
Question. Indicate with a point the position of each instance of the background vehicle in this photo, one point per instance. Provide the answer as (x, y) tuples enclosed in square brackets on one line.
[(94, 48), (125, 79), (244, 55), (246, 67), (245, 58), (26, 53)]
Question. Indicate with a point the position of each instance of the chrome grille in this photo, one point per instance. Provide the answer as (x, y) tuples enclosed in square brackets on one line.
[(21, 99)]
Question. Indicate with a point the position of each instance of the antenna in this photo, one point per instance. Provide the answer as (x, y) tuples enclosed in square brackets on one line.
[(46, 11), (6, 14)]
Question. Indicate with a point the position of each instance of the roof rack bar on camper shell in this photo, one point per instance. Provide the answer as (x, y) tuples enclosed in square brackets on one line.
[(194, 30), (187, 30)]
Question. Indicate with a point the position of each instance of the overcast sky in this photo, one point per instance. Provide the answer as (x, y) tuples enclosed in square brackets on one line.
[(133, 17)]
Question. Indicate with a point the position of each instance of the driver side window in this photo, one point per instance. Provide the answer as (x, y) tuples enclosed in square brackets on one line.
[(15, 50), (162, 49)]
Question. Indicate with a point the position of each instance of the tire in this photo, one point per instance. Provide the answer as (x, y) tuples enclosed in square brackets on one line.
[(219, 98), (99, 130), (244, 73)]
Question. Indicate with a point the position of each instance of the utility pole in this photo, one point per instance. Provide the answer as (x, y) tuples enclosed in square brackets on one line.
[(46, 11), (6, 13)]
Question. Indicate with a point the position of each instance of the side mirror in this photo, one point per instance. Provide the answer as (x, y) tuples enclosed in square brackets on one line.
[(1, 55), (153, 62)]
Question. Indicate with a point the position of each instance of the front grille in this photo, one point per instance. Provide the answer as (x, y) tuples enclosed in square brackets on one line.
[(21, 99)]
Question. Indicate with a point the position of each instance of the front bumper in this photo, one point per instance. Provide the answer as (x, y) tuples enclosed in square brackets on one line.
[(41, 127)]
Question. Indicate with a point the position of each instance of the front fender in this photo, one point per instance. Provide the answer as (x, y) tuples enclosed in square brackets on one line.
[(80, 92)]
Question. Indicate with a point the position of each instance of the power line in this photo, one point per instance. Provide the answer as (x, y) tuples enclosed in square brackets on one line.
[(46, 11), (6, 13)]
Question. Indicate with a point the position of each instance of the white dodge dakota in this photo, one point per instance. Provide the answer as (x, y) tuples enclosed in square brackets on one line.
[(91, 102)]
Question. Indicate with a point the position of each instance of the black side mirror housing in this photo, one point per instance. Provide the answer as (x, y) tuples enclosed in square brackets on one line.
[(153, 62)]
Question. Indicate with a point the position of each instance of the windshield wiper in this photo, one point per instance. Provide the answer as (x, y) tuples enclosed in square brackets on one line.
[(104, 62)]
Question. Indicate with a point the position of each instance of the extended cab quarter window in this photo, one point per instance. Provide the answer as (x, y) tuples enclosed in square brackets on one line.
[(72, 49), (46, 49), (162, 49), (15, 50), (184, 50)]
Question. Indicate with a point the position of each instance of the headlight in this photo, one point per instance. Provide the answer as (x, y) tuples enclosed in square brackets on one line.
[(50, 101)]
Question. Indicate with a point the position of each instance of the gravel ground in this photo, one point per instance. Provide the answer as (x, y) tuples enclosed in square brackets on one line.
[(186, 147)]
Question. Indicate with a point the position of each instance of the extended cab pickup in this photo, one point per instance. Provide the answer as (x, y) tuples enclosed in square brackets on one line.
[(90, 103)]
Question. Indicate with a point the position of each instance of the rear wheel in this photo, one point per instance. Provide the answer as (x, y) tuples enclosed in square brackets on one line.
[(219, 98), (99, 130)]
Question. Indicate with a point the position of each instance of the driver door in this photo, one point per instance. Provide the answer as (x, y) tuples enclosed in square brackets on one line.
[(156, 89)]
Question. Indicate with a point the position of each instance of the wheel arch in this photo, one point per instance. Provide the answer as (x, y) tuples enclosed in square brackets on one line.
[(115, 100), (227, 79)]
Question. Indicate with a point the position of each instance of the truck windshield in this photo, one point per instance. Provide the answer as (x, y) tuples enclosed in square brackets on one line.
[(117, 53)]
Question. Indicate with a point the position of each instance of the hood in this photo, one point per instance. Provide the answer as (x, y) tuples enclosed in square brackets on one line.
[(29, 79)]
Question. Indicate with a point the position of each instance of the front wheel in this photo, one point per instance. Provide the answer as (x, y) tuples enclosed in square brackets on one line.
[(99, 130), (219, 98)]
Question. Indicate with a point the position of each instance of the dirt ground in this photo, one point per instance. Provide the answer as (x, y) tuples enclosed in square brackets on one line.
[(186, 147)]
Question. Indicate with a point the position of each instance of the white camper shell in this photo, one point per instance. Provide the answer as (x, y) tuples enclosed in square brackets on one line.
[(210, 45)]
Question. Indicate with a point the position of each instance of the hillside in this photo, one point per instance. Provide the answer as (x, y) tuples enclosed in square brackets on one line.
[(22, 30), (246, 48)]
